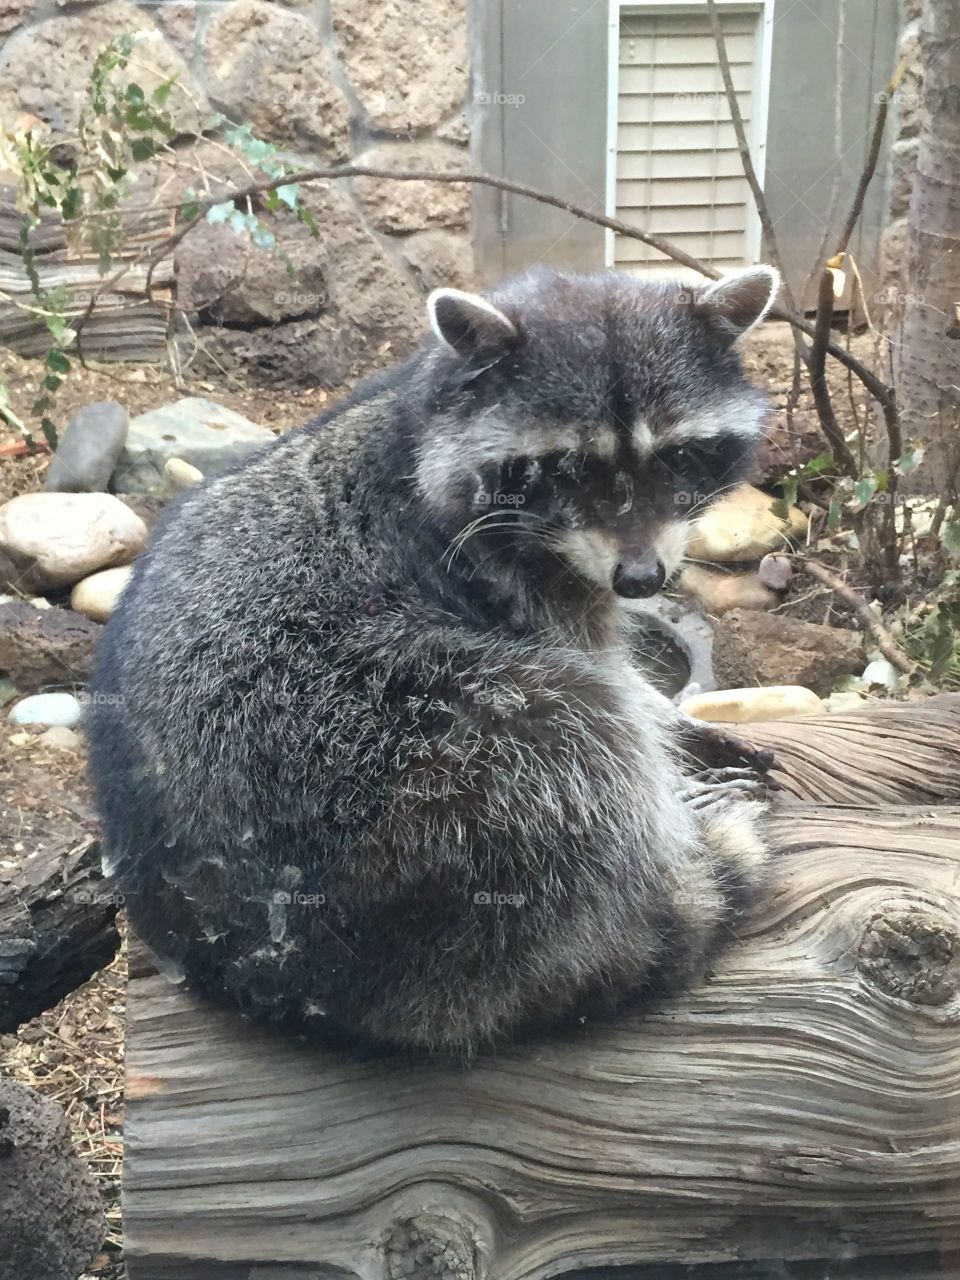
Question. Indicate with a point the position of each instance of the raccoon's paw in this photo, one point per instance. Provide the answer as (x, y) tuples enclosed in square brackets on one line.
[(713, 747)]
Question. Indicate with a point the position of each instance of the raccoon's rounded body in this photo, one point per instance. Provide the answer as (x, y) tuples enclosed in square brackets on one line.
[(374, 764)]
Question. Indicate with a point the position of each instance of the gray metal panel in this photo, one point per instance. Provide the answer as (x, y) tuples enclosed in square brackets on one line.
[(800, 135), (540, 117)]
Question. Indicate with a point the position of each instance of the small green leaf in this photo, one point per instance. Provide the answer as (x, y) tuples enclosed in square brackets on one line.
[(143, 148), (308, 220), (220, 213), (162, 92), (72, 203), (816, 466), (908, 461), (189, 211), (58, 361), (49, 429), (263, 238), (864, 489), (134, 93), (52, 382), (288, 194), (950, 537)]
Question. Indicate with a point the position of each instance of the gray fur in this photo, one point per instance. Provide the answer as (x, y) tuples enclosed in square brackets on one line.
[(332, 712)]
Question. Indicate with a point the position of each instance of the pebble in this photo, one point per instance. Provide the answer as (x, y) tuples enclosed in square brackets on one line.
[(61, 709), (742, 526), (88, 450), (96, 597), (181, 475), (60, 738), (53, 540), (741, 706)]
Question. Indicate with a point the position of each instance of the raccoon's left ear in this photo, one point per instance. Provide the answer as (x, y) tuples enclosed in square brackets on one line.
[(471, 325), (736, 302)]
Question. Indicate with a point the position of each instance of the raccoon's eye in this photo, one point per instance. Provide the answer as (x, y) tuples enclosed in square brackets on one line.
[(677, 459)]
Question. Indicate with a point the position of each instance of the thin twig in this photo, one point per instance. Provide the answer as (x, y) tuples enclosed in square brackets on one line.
[(817, 365), (885, 641)]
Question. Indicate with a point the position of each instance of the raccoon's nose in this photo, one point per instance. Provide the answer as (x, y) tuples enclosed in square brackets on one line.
[(640, 578)]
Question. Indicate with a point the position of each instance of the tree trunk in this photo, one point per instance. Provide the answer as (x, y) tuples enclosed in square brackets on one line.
[(928, 352)]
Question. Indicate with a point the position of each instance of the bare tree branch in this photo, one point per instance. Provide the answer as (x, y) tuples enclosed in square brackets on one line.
[(885, 641)]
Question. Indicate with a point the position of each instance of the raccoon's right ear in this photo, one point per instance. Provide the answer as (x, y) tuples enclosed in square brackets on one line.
[(471, 325)]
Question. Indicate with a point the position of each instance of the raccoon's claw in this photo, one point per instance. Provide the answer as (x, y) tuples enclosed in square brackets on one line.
[(711, 786)]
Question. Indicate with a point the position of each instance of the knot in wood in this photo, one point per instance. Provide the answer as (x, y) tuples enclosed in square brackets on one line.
[(913, 955), (428, 1244)]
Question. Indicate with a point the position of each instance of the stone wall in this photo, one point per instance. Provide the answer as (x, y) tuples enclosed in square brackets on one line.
[(904, 124), (330, 81)]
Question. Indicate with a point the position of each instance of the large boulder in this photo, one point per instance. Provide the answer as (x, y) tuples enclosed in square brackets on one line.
[(88, 450), (45, 68), (267, 65), (399, 207), (40, 647), (751, 647), (52, 1221), (301, 353), (50, 540), (200, 432), (352, 306), (223, 276), (408, 63), (441, 259)]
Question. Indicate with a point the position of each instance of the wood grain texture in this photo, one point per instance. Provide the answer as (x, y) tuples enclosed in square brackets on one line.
[(803, 1103)]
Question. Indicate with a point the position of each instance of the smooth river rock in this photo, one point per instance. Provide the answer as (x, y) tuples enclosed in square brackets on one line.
[(96, 597), (743, 705), (88, 450), (50, 540), (49, 709), (742, 526)]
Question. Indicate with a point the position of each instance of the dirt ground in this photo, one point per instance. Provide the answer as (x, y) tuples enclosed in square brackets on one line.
[(73, 1054)]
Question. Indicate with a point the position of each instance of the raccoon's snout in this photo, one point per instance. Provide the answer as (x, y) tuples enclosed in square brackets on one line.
[(639, 578)]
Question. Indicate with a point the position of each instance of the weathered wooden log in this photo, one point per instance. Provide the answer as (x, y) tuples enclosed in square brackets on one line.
[(57, 918), (802, 1104)]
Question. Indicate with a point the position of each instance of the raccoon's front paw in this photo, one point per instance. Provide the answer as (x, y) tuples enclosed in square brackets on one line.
[(715, 748)]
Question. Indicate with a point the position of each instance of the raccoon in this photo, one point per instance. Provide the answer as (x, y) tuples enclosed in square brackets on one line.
[(372, 751)]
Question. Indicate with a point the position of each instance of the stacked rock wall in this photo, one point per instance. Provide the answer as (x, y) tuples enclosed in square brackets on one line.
[(329, 82), (904, 122)]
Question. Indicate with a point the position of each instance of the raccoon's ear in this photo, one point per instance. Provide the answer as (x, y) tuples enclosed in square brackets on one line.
[(736, 302), (471, 325)]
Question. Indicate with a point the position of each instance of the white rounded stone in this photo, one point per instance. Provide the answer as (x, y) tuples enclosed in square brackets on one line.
[(47, 708), (96, 597)]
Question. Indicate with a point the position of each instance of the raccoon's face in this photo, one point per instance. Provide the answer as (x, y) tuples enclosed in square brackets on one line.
[(590, 418)]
